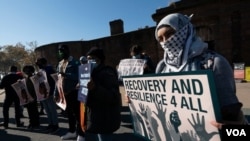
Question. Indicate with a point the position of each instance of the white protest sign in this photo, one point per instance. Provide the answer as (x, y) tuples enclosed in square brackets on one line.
[(58, 80), (41, 85), (22, 91), (128, 67), (174, 106)]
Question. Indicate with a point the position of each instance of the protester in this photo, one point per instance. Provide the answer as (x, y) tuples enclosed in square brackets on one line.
[(103, 101), (68, 69), (11, 97), (137, 53), (32, 107), (185, 51), (49, 103)]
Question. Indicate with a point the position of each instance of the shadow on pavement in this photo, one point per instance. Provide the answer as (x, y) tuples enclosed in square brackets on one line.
[(10, 137)]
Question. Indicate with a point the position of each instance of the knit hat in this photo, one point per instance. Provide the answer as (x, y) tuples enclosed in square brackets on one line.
[(63, 47), (97, 52)]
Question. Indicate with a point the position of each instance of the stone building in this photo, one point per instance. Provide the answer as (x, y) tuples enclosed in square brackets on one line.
[(224, 24)]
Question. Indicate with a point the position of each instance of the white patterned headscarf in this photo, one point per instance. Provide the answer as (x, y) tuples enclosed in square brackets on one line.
[(182, 45)]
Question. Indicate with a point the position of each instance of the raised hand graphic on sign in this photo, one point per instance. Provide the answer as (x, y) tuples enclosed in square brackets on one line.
[(199, 126)]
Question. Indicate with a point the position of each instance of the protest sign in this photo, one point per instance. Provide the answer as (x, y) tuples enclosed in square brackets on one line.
[(22, 92), (41, 85), (174, 106), (128, 67), (58, 80), (84, 77)]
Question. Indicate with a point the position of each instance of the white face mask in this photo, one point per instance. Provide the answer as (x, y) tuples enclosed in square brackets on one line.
[(91, 61), (136, 57)]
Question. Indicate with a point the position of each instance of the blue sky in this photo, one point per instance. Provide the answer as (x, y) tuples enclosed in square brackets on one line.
[(49, 21)]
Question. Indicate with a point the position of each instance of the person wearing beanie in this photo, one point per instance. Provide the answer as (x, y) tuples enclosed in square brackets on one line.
[(67, 69), (103, 100)]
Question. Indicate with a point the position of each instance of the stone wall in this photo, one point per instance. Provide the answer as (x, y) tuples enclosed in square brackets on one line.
[(115, 47)]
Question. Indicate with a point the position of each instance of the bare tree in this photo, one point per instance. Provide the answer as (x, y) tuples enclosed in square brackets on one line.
[(32, 56), (17, 55)]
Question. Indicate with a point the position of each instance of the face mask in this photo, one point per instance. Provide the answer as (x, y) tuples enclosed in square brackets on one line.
[(174, 45), (62, 55), (93, 62), (136, 57)]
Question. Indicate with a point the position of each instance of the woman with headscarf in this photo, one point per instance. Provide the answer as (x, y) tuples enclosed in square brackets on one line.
[(185, 51)]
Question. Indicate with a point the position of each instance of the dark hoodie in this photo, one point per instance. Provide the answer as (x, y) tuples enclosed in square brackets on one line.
[(104, 101)]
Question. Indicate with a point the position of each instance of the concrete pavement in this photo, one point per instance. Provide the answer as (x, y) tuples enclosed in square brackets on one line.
[(13, 133), (125, 132)]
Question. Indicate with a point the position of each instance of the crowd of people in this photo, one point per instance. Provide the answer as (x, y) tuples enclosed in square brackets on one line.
[(183, 51), (102, 109)]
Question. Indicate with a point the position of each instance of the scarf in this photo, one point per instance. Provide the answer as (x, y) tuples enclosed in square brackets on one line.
[(181, 46)]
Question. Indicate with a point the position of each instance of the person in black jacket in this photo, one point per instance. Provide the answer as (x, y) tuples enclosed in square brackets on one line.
[(103, 101), (67, 69), (11, 96), (49, 103), (32, 107)]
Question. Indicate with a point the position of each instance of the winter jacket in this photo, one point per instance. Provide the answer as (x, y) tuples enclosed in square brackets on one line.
[(103, 102), (70, 78), (223, 78)]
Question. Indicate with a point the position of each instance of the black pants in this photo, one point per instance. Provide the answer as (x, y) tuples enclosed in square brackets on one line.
[(33, 113), (8, 101), (73, 112)]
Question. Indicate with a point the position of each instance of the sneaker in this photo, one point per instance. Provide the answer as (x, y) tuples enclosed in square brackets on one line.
[(80, 138), (54, 129), (68, 135)]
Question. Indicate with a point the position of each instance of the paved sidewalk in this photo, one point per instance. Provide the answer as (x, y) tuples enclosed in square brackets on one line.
[(125, 133)]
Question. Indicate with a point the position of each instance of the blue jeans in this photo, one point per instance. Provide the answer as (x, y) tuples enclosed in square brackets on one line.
[(50, 108), (99, 137)]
